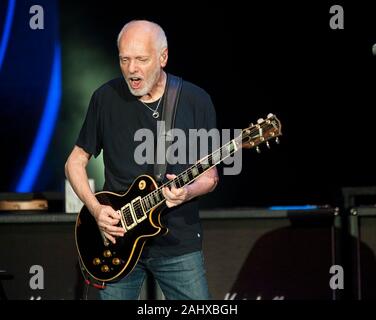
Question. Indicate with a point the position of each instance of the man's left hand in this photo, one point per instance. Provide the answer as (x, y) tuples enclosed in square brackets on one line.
[(175, 196)]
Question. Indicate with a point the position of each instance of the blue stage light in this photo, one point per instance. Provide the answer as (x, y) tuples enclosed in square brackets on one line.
[(6, 30), (46, 127), (306, 207)]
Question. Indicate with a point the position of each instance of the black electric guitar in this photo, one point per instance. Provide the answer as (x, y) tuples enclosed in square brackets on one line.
[(141, 206)]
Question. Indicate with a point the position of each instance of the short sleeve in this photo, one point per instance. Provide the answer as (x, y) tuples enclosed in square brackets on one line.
[(90, 137)]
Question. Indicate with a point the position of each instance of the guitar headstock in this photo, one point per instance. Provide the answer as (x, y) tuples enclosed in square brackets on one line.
[(262, 132)]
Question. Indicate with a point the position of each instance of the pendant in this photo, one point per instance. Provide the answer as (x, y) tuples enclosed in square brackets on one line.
[(155, 114)]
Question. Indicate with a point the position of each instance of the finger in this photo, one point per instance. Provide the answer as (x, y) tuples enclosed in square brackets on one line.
[(114, 230), (109, 237), (113, 214), (115, 233), (169, 204), (168, 194), (110, 220), (114, 222), (178, 192), (170, 176)]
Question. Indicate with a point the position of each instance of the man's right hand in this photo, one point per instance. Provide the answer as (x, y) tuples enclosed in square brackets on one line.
[(108, 219)]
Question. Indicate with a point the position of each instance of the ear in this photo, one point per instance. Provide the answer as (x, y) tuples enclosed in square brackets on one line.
[(164, 57)]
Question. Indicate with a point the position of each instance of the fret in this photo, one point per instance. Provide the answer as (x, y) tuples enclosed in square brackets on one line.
[(199, 168), (190, 175), (151, 199), (210, 160), (216, 157), (176, 183), (195, 171), (157, 196), (224, 152), (181, 182), (229, 149), (185, 178), (205, 166), (147, 205), (233, 146)]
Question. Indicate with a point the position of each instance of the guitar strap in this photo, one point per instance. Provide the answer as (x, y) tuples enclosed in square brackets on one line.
[(164, 138)]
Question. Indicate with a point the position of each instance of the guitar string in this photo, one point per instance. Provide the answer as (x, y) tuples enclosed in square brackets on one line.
[(138, 205), (189, 170), (179, 178)]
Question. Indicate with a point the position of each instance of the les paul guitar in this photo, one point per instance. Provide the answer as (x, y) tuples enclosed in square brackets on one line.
[(141, 206)]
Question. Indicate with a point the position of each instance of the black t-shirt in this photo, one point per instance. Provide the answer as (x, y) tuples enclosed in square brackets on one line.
[(113, 117)]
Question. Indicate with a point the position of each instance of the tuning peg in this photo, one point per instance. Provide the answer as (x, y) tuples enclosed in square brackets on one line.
[(258, 150), (251, 124), (261, 120), (277, 140), (267, 144), (270, 115)]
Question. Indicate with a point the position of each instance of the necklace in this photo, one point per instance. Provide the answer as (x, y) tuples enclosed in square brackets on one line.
[(155, 112)]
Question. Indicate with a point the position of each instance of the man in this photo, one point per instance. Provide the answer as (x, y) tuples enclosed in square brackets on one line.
[(116, 111)]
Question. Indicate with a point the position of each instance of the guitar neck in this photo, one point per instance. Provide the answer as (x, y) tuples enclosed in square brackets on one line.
[(156, 197), (250, 137)]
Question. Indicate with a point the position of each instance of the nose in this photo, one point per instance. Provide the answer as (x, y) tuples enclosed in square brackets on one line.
[(132, 67)]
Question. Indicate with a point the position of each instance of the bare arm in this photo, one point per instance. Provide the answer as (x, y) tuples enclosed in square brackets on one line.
[(203, 184), (75, 171)]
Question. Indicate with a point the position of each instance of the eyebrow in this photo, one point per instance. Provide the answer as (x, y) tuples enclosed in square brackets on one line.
[(137, 57)]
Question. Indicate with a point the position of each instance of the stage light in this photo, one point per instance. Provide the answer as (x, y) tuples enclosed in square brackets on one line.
[(46, 127), (6, 30)]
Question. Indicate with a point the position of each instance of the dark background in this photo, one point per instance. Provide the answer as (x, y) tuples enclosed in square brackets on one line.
[(252, 59)]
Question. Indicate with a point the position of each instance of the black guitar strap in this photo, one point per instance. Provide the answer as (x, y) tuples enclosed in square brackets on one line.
[(170, 103)]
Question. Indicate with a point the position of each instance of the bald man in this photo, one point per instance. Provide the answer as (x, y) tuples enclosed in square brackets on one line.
[(116, 111)]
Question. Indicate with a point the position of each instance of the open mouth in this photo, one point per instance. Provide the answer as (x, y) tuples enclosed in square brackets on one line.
[(135, 82)]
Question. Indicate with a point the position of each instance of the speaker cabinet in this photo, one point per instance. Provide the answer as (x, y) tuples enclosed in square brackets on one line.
[(362, 244), (249, 254), (41, 258), (264, 255)]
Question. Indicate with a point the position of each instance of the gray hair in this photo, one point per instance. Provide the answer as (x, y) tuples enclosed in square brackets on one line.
[(160, 34)]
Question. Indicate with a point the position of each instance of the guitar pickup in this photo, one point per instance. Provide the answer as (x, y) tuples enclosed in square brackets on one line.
[(138, 209), (128, 216)]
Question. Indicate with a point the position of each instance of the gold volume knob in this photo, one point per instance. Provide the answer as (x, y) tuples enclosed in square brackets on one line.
[(116, 261), (142, 185), (96, 261), (107, 253), (105, 268)]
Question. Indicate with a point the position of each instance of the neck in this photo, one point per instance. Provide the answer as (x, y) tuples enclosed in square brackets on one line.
[(186, 177), (157, 91)]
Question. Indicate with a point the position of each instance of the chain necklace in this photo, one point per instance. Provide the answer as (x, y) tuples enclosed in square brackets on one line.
[(155, 112)]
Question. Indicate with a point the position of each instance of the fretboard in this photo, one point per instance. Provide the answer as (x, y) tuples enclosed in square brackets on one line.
[(192, 173)]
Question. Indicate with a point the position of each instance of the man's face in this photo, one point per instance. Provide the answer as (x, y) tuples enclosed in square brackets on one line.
[(140, 63)]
